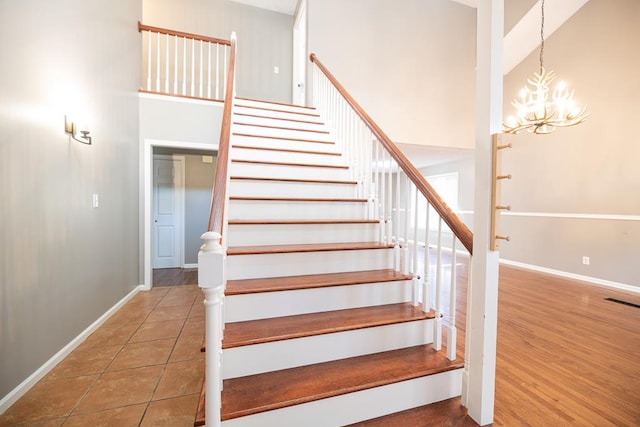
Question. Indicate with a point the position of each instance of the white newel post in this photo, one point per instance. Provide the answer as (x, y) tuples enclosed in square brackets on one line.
[(212, 279)]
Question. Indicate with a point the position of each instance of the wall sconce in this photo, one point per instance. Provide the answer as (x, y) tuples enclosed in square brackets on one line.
[(70, 128)]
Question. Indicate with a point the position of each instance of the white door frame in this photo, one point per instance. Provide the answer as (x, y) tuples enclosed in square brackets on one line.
[(146, 217), (298, 95), (180, 201)]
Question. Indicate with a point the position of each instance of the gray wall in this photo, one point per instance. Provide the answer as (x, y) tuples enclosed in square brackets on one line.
[(62, 262), (198, 177), (264, 39), (410, 64), (588, 169)]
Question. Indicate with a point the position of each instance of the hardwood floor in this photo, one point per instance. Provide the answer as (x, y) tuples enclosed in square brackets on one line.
[(175, 276), (566, 356)]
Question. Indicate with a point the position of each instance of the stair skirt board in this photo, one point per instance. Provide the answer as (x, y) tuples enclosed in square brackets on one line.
[(277, 355), (301, 263), (264, 305), (247, 187), (361, 405), (282, 234), (285, 209)]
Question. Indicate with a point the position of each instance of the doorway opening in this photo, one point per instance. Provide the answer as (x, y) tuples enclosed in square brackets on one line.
[(198, 170), (300, 54)]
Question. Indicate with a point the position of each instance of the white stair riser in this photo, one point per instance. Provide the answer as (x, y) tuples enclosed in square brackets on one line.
[(285, 171), (291, 121), (301, 263), (259, 358), (281, 133), (244, 187), (270, 209), (277, 114), (274, 106), (254, 141), (358, 406), (290, 234), (266, 305), (288, 156)]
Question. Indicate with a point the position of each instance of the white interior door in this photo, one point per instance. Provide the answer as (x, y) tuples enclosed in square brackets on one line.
[(168, 211), (300, 54)]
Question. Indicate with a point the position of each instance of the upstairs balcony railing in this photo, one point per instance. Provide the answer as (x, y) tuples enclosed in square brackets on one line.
[(183, 64)]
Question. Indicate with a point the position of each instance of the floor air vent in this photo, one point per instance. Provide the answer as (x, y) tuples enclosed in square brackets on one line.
[(619, 301)]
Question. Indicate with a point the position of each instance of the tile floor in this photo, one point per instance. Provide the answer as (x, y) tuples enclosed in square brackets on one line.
[(142, 367)]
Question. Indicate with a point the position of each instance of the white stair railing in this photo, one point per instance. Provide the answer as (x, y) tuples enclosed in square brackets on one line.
[(402, 200), (183, 64), (212, 256)]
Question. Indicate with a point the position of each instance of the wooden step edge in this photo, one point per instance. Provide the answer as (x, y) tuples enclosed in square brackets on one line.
[(275, 103), (449, 412), (287, 150), (312, 281), (239, 334), (258, 116), (315, 141), (200, 419), (298, 248), (295, 386), (301, 180), (297, 199), (301, 221), (326, 132), (303, 165), (276, 110)]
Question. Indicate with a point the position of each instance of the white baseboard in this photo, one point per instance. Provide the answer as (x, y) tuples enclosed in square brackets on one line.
[(43, 370), (566, 274), (190, 265)]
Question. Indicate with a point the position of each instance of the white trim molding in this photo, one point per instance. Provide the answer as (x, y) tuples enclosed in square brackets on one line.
[(43, 370), (580, 277), (190, 265), (609, 217)]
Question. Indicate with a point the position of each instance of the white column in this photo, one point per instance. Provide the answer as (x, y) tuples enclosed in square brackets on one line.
[(212, 279), (482, 306)]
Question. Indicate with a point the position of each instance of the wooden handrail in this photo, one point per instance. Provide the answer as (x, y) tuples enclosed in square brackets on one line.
[(459, 228), (216, 215), (142, 27)]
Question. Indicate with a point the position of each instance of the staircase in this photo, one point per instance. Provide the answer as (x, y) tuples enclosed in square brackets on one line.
[(320, 328)]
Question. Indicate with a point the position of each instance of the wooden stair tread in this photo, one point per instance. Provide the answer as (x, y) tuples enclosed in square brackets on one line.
[(258, 116), (282, 138), (281, 127), (287, 150), (278, 389), (314, 181), (448, 412), (244, 98), (306, 165), (298, 199), (277, 110), (250, 332), (310, 281), (313, 247), (300, 221)]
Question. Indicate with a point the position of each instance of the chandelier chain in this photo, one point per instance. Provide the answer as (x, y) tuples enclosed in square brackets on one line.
[(542, 37)]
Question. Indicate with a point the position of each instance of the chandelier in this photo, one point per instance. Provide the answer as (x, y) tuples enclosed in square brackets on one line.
[(540, 110)]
